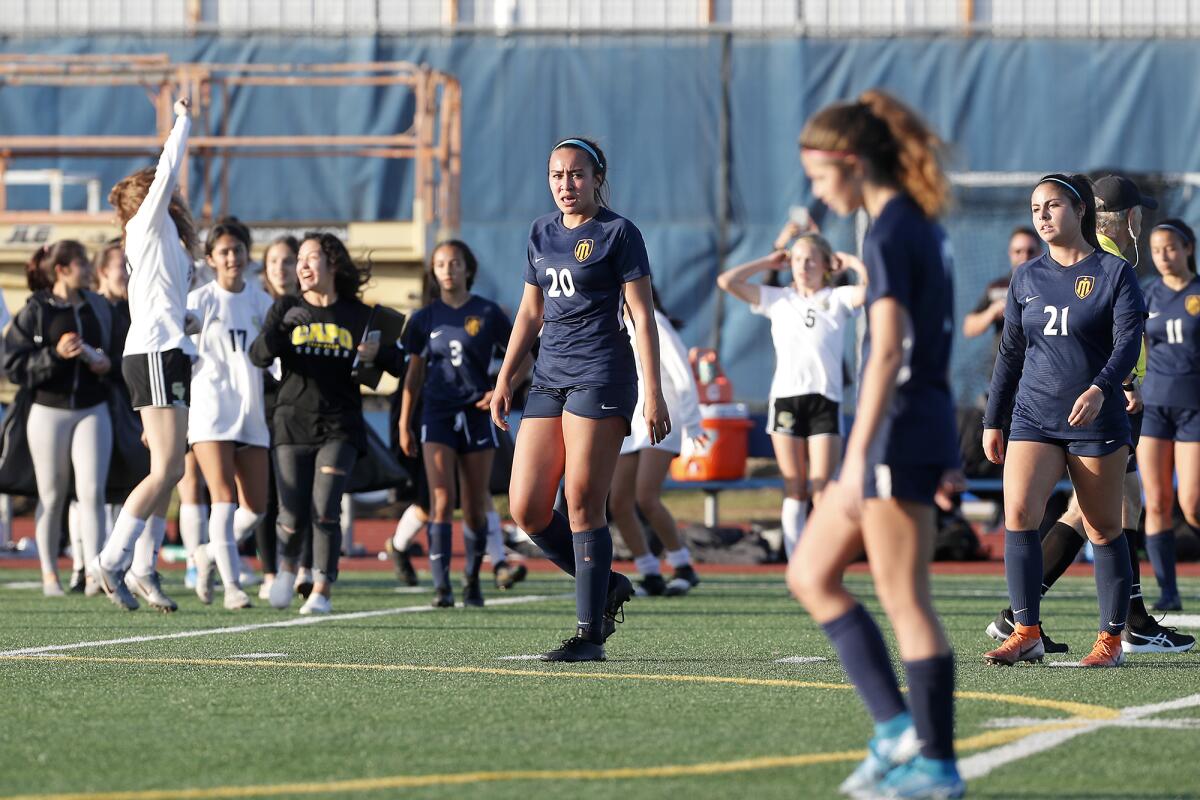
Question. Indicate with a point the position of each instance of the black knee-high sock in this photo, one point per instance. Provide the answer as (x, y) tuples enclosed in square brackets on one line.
[(593, 563), (474, 545), (931, 697), (1023, 572), (1161, 549), (440, 534), (1059, 549), (1138, 615), (555, 542), (1113, 579), (865, 658)]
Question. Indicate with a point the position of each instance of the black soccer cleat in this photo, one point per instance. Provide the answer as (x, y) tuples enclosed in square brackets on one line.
[(686, 573), (1002, 627), (651, 586), (620, 589), (472, 593), (443, 599), (1153, 637), (508, 576), (577, 648), (78, 581), (401, 564)]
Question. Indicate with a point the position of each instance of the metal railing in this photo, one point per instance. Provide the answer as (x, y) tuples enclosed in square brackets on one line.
[(1091, 18)]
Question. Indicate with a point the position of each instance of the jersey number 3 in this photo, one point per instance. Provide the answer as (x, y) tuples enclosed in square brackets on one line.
[(1058, 317), (561, 282)]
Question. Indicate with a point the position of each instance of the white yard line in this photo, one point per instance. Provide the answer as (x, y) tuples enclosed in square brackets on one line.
[(1182, 620), (260, 655), (800, 660), (286, 623), (981, 764)]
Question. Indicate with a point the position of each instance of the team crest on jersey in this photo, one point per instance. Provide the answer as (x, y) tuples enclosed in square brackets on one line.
[(1084, 285), (1192, 304), (583, 249), (473, 325)]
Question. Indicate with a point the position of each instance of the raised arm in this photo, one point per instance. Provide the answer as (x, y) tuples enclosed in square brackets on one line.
[(166, 174), (848, 262), (737, 280)]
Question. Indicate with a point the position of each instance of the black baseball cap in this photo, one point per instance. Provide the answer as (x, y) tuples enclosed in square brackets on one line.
[(1118, 193)]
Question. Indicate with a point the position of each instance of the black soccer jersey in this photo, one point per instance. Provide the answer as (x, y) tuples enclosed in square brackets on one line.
[(1065, 329), (1173, 354)]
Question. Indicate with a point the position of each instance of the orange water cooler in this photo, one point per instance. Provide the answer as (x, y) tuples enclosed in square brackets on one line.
[(727, 425)]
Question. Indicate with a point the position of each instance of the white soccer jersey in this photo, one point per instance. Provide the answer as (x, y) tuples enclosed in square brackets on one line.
[(227, 390), (160, 270), (679, 390), (809, 335)]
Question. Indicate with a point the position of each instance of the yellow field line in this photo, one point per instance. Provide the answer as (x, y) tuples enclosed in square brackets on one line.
[(990, 739), (1084, 710)]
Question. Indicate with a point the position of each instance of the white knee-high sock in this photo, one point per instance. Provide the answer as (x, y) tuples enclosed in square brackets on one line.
[(495, 539), (794, 513), (118, 550), (192, 520), (410, 524), (245, 522), (222, 546), (679, 558), (77, 559), (145, 551)]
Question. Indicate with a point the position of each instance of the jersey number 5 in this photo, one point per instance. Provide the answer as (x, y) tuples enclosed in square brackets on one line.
[(810, 318), (561, 282), (1058, 316)]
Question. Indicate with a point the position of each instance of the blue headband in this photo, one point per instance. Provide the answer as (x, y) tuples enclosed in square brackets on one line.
[(1182, 234), (1074, 191), (582, 145)]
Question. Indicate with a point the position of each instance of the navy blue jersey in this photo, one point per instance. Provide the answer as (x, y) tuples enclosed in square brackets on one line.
[(907, 256), (582, 273), (457, 345), (1173, 354), (1065, 329)]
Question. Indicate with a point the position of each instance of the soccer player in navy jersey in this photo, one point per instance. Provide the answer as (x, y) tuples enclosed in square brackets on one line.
[(583, 262), (1171, 430), (450, 344), (1072, 332), (902, 447)]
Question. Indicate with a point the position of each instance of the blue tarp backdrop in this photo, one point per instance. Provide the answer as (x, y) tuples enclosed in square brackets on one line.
[(656, 103)]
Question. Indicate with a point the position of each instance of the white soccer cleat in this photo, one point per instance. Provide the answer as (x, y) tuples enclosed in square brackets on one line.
[(205, 574), (236, 599), (282, 590), (316, 603)]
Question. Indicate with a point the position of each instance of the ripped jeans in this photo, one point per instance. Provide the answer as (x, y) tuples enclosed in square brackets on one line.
[(310, 479)]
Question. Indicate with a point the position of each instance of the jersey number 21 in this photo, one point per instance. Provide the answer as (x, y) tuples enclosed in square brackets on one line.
[(1058, 316)]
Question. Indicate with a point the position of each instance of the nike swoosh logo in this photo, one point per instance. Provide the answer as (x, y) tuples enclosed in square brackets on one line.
[(435, 334), (1031, 297), (483, 441), (1153, 314), (1110, 441), (607, 408), (539, 259)]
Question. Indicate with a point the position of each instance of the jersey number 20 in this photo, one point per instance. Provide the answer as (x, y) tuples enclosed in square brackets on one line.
[(1057, 316), (561, 282)]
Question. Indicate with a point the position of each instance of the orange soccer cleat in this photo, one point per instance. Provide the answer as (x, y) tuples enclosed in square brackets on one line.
[(1106, 652), (1023, 644)]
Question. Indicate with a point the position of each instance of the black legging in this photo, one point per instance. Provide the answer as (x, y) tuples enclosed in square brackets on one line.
[(265, 536), (308, 477)]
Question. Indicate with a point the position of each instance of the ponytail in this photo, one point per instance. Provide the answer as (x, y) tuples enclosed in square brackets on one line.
[(897, 146), (1078, 189)]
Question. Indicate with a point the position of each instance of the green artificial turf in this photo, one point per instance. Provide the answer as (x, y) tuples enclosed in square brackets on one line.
[(135, 724)]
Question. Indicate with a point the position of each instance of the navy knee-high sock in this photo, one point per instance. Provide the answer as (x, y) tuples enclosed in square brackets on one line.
[(555, 542), (439, 554), (1138, 615), (1161, 549), (865, 658), (1114, 576), (593, 563), (1023, 572), (474, 546), (1059, 550), (931, 697)]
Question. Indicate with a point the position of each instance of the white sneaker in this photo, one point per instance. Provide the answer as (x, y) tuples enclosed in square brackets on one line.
[(236, 599), (282, 590), (316, 603), (205, 574), (264, 591), (248, 577)]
